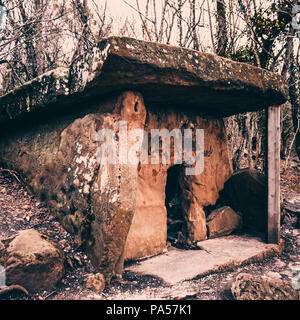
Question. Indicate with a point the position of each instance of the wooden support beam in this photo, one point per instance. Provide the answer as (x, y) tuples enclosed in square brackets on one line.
[(273, 174)]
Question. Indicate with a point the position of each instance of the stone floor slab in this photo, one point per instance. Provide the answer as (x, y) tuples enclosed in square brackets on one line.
[(215, 255)]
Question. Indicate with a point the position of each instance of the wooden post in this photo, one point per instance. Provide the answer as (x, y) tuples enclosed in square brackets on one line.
[(273, 174)]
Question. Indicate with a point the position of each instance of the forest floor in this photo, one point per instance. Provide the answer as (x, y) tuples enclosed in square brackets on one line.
[(20, 210)]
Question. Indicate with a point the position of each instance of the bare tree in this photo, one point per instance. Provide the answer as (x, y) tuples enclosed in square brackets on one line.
[(173, 21), (41, 35), (290, 71), (22, 53), (222, 35)]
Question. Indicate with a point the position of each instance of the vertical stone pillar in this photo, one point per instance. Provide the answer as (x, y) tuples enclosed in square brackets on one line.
[(273, 173)]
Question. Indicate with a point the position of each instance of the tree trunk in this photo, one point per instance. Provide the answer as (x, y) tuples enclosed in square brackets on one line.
[(179, 23), (194, 36), (222, 35)]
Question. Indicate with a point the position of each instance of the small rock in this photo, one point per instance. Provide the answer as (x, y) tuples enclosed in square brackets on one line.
[(78, 260), (67, 248), (274, 275), (296, 232), (3, 190), (26, 207), (228, 285), (250, 287), (292, 204), (76, 182), (294, 265), (207, 291), (279, 263), (63, 242), (293, 257), (287, 273), (69, 262), (95, 282)]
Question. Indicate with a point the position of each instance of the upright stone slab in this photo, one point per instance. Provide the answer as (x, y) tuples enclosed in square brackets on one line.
[(245, 192), (148, 232)]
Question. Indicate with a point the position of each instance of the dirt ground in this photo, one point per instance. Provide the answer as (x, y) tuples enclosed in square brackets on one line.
[(20, 210)]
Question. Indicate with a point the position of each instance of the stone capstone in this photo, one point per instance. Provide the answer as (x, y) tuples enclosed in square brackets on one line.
[(165, 75), (32, 261)]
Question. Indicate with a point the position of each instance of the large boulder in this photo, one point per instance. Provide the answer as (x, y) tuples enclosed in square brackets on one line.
[(251, 287), (223, 221), (32, 261)]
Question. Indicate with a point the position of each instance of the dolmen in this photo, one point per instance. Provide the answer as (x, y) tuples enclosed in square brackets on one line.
[(95, 141)]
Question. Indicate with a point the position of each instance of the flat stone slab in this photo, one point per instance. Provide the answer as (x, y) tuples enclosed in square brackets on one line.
[(169, 77), (218, 254)]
